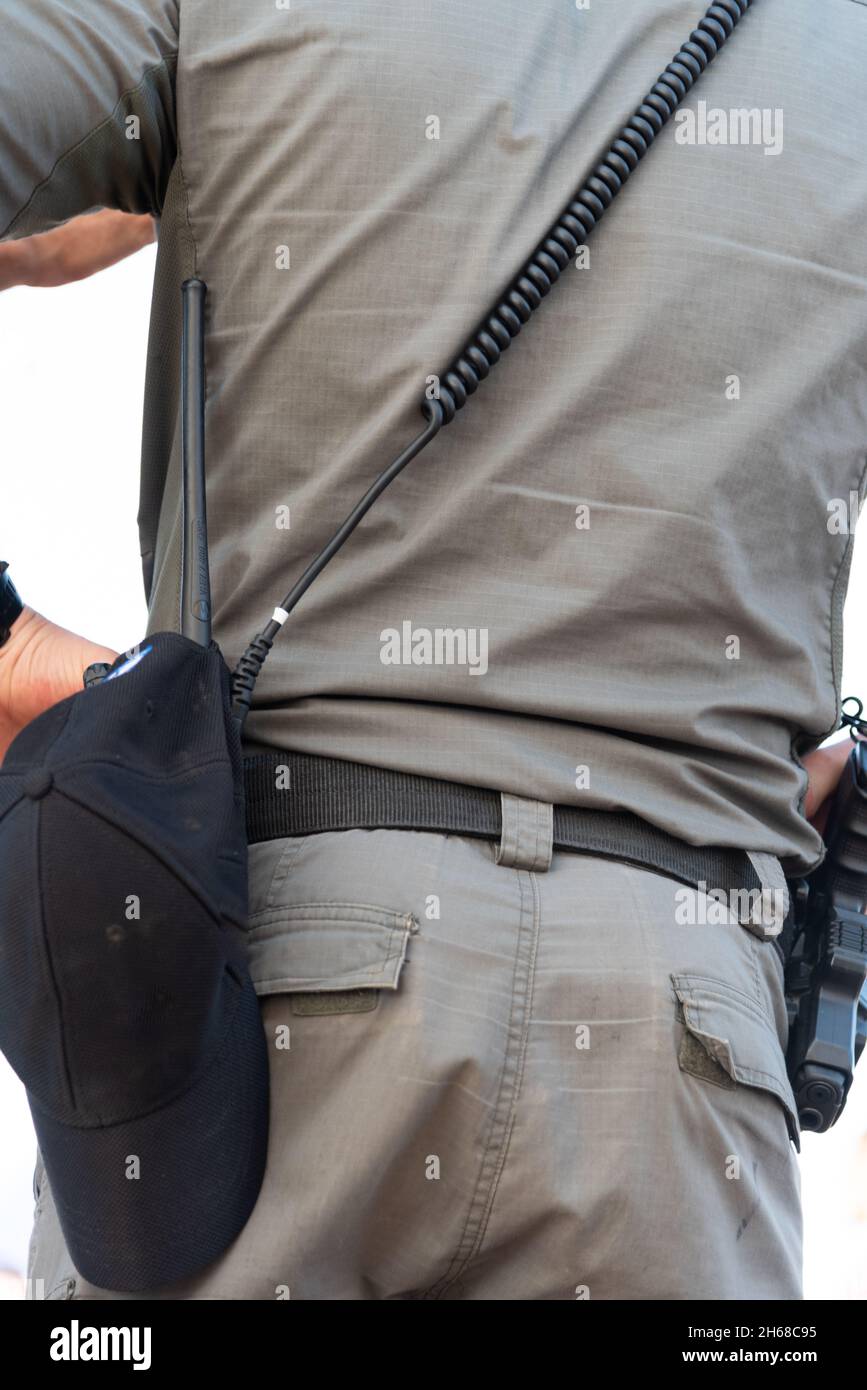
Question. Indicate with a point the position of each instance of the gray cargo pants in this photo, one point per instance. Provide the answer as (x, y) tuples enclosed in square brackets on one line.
[(502, 1074)]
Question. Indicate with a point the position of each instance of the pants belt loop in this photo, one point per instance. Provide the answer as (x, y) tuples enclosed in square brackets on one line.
[(767, 916), (527, 836)]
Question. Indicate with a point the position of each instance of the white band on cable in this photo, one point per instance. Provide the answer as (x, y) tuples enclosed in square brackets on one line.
[(279, 616)]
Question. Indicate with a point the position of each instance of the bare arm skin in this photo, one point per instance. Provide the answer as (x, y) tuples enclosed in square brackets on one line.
[(74, 251)]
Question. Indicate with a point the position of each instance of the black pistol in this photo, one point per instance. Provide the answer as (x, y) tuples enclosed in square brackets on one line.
[(826, 970)]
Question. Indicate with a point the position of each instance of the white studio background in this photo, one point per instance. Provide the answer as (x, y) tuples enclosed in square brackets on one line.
[(72, 366)]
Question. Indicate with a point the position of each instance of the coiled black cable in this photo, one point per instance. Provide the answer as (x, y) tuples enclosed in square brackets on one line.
[(572, 228), (522, 298)]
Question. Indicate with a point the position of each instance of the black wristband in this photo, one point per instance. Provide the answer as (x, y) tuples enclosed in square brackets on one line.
[(11, 606)]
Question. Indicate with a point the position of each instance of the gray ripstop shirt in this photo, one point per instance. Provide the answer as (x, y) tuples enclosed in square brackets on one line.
[(630, 542)]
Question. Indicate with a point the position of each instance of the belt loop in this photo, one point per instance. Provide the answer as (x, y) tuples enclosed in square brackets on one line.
[(766, 916), (527, 835)]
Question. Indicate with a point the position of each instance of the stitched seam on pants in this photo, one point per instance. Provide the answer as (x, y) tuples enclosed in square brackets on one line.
[(754, 961), (530, 980), (283, 869), (508, 1091)]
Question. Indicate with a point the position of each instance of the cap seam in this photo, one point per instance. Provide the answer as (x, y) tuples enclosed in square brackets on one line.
[(173, 1098), (55, 983), (212, 910), (216, 760)]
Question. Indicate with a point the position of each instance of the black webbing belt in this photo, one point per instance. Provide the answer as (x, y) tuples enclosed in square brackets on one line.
[(299, 794)]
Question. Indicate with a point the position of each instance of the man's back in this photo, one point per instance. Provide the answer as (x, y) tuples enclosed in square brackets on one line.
[(624, 545), (614, 581)]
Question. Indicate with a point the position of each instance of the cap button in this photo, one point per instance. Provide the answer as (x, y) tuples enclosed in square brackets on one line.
[(38, 783)]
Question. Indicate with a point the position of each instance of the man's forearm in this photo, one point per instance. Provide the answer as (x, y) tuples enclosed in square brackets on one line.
[(74, 251), (16, 262)]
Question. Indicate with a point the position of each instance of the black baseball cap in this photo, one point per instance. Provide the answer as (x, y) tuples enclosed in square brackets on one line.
[(126, 1006)]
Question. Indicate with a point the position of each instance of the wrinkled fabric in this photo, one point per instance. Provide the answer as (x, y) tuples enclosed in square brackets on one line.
[(496, 1082), (640, 509)]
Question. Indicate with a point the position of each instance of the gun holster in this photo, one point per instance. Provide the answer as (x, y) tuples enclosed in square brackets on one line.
[(826, 965)]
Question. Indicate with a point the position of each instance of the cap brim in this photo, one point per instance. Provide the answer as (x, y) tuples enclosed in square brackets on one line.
[(154, 1200)]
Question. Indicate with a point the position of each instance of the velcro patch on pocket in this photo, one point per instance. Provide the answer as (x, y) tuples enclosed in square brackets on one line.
[(738, 1038), (693, 1056), (335, 1001)]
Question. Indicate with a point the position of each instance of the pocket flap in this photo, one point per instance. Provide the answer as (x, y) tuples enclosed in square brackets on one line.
[(739, 1036), (327, 946)]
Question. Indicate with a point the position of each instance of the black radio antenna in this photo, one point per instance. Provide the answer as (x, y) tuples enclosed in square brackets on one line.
[(195, 575), (523, 296)]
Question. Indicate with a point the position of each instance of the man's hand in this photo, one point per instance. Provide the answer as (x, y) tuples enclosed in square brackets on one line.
[(824, 767), (39, 665), (77, 249)]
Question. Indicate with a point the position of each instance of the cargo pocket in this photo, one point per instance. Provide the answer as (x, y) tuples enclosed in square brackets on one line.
[(330, 957), (728, 1040)]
